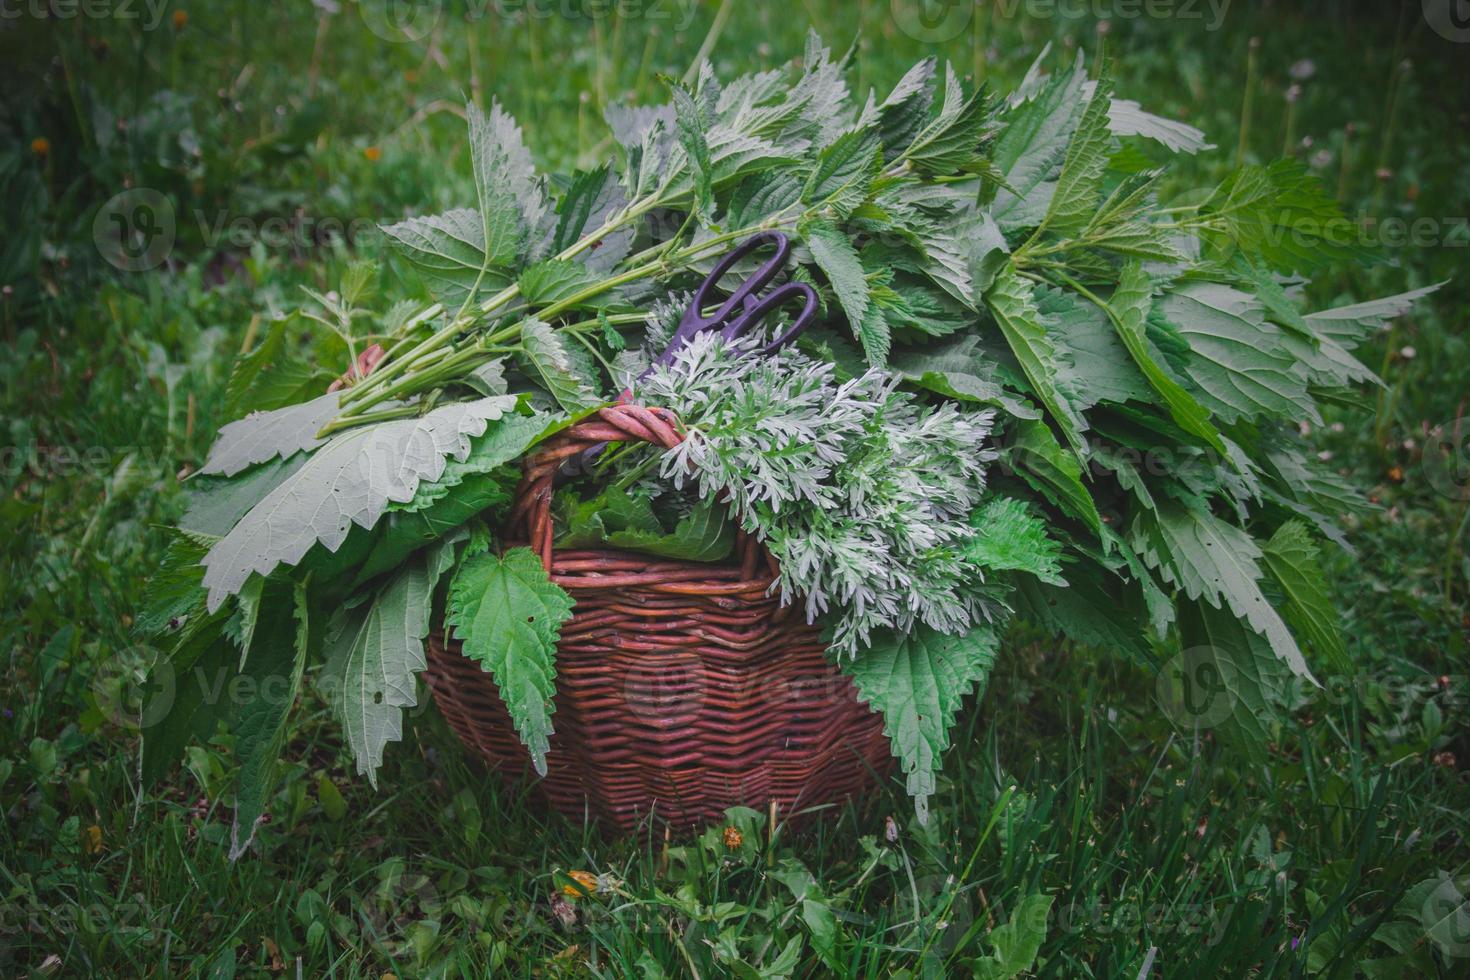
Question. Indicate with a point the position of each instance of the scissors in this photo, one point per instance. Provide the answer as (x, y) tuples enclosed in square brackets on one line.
[(745, 310)]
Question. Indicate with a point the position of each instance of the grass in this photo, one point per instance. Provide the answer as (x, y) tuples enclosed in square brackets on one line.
[(1161, 854)]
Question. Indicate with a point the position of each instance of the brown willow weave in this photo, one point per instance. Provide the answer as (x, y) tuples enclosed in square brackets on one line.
[(682, 688)]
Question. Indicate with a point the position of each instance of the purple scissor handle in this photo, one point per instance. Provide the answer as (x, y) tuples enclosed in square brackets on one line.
[(743, 311)]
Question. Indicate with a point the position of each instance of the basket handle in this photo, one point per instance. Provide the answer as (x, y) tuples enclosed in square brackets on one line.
[(622, 422)]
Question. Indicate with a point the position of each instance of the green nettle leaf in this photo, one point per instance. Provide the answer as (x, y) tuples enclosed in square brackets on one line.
[(906, 109), (1094, 363), (375, 652), (617, 519), (763, 195), (1291, 557), (1010, 302), (1079, 187), (1210, 559), (950, 141), (1227, 678), (1031, 147), (1351, 325), (557, 280), (504, 441), (917, 681), (1052, 471), (273, 665), (401, 533), (844, 171), (1128, 118), (1094, 608), (508, 614), (448, 252), (550, 360), (594, 197), (1008, 537), (1016, 943), (875, 336), (263, 436), (959, 369), (513, 204), (1128, 309), (216, 504), (1281, 214), (351, 480), (1240, 363), (176, 591), (691, 125), (186, 695), (247, 615), (839, 262)]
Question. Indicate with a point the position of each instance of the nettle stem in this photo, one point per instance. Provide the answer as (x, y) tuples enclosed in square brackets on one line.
[(438, 360)]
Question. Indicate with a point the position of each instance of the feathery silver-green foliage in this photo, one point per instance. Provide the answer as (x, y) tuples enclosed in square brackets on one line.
[(860, 492)]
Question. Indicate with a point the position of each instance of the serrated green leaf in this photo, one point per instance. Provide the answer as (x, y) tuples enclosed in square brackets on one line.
[(551, 361), (1351, 325), (375, 651), (263, 436), (839, 262), (1229, 676), (1213, 560), (875, 336), (512, 203), (593, 197), (960, 370), (1128, 118), (1094, 364), (905, 111), (1009, 300), (1292, 559), (1093, 608), (1239, 363), (1031, 145), (1052, 471), (448, 252), (1281, 214), (691, 123), (1079, 186), (1128, 308), (507, 613), (174, 592), (185, 696), (557, 280), (761, 196), (1008, 537), (274, 663), (950, 141), (349, 481), (917, 683), (844, 171)]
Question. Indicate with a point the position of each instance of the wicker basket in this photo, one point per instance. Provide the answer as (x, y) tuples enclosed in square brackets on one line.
[(682, 688)]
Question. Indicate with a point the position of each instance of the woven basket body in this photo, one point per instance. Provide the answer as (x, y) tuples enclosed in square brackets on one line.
[(682, 688)]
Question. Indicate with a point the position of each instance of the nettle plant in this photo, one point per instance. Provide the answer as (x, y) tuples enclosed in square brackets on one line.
[(1034, 392)]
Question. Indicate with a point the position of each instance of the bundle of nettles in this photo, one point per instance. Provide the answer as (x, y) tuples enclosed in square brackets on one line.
[(1034, 393)]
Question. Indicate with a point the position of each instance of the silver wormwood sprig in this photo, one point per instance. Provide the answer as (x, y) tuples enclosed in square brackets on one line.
[(859, 491)]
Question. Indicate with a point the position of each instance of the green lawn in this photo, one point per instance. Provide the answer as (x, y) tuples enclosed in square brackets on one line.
[(265, 128)]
